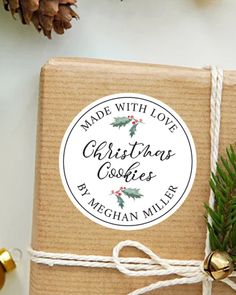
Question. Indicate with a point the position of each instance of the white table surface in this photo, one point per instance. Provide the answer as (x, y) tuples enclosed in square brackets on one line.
[(179, 32)]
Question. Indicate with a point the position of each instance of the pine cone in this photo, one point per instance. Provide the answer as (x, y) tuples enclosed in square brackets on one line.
[(46, 15)]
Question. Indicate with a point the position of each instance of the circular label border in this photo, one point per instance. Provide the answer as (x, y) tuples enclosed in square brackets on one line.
[(180, 200)]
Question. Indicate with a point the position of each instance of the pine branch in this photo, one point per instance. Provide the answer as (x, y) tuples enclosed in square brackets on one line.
[(222, 230)]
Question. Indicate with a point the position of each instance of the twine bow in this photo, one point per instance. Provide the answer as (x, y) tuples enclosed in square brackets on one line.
[(191, 271), (188, 271)]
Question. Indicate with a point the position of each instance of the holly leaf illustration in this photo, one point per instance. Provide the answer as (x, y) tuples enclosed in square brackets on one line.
[(132, 193), (120, 121), (121, 202), (133, 130)]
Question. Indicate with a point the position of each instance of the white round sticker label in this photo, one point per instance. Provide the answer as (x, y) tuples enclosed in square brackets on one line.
[(127, 161)]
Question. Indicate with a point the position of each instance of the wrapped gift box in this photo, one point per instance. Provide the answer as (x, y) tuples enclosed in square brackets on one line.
[(66, 87)]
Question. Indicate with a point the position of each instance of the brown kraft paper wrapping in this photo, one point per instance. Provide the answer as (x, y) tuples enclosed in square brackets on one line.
[(66, 87)]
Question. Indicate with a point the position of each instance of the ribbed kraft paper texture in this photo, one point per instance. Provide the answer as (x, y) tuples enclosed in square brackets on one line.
[(66, 87)]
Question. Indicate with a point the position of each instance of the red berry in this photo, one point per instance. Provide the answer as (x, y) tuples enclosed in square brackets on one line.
[(133, 123), (124, 187), (140, 120), (132, 117), (119, 194), (128, 117)]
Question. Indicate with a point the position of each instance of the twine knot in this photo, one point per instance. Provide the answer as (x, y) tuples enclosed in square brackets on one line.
[(188, 271)]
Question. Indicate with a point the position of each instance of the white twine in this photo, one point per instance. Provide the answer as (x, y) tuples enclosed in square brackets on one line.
[(187, 271), (216, 95), (215, 103)]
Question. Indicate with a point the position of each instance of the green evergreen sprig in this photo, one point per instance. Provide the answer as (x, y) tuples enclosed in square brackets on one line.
[(222, 230), (123, 121), (129, 192)]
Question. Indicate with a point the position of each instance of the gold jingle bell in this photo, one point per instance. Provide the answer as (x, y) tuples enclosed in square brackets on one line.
[(7, 264), (2, 276), (219, 265)]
